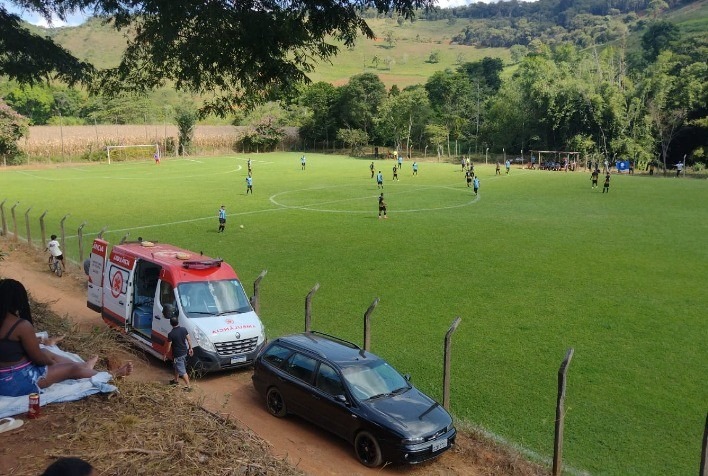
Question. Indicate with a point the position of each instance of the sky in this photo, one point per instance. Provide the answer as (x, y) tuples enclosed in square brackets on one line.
[(79, 18)]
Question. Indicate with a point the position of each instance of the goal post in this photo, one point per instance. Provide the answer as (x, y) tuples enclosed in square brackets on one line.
[(138, 150)]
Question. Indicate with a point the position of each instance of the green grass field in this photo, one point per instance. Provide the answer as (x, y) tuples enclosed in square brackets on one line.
[(537, 263)]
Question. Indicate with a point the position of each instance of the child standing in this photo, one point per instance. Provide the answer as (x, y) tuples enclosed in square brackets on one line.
[(181, 345), (606, 186)]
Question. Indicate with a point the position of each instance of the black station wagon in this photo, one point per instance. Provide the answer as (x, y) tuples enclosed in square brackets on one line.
[(354, 394)]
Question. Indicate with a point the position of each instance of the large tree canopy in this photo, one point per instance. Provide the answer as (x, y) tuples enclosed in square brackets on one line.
[(239, 52)]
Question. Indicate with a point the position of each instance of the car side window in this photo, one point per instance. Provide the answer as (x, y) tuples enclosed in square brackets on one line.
[(276, 355), (329, 381), (301, 367)]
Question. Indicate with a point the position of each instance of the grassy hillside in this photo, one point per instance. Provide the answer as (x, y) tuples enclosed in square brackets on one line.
[(402, 62)]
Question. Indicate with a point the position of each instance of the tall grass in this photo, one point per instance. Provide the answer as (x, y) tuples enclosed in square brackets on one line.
[(537, 263)]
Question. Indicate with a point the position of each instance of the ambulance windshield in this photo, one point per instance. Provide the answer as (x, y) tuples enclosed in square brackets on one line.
[(213, 298)]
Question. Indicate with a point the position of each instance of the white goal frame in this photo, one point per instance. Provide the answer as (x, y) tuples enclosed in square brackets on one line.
[(155, 147)]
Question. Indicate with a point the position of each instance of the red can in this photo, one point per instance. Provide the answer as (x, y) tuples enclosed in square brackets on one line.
[(33, 411)]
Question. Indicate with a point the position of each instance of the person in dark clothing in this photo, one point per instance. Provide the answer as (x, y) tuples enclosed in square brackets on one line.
[(179, 342), (606, 186)]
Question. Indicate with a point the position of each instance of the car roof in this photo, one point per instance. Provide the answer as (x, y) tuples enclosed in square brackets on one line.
[(328, 347)]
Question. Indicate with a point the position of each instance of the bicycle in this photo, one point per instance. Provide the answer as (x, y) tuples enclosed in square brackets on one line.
[(55, 266)]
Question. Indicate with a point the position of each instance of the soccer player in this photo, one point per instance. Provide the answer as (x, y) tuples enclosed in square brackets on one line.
[(498, 169), (379, 180), (382, 206), (476, 185), (249, 184), (371, 167), (222, 218), (507, 164), (594, 176), (395, 173), (468, 177), (415, 168), (302, 162), (249, 167), (606, 186)]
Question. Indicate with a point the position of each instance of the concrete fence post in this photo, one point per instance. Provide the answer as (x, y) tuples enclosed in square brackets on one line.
[(560, 415), (256, 299), (125, 238), (14, 221), (308, 307), (43, 228), (63, 231), (3, 231), (27, 227), (367, 324), (704, 452), (446, 363), (80, 234), (100, 233)]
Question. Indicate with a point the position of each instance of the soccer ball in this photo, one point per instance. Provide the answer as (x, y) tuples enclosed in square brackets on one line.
[(241, 226)]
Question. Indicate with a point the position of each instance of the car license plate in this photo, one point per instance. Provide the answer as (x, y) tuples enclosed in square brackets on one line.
[(438, 445), (238, 359)]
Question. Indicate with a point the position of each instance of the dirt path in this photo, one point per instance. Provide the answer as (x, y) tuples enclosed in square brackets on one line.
[(309, 448)]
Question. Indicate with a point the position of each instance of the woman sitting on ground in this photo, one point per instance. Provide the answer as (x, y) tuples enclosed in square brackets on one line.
[(24, 367)]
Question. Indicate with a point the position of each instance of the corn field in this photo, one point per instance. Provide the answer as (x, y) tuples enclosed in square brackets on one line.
[(68, 143)]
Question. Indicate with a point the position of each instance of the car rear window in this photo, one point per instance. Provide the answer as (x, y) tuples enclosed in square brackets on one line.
[(276, 355)]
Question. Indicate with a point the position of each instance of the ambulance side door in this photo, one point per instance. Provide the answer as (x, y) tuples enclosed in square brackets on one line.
[(97, 267), (165, 295)]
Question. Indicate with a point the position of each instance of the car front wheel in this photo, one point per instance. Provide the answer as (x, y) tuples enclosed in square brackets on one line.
[(368, 450), (275, 403)]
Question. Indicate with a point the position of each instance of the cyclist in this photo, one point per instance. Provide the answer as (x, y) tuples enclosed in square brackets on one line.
[(55, 252)]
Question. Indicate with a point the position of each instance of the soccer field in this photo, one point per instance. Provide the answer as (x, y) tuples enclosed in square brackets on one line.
[(535, 264)]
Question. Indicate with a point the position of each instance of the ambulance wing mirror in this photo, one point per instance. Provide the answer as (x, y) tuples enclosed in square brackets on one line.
[(170, 311)]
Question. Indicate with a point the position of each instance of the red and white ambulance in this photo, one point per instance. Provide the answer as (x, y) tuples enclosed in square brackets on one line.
[(133, 284)]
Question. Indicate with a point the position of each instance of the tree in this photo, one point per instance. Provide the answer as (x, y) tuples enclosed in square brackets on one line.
[(660, 36), (186, 118), (35, 103), (359, 101), (354, 138), (403, 116), (241, 52), (434, 57), (13, 127)]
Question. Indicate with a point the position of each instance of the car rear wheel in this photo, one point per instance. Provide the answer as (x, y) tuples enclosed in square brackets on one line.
[(275, 403), (368, 450)]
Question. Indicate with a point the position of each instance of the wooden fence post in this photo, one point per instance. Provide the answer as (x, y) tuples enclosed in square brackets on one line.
[(43, 229), (367, 324), (63, 232), (80, 234), (560, 415), (446, 363), (308, 307), (256, 299), (27, 227), (704, 452), (14, 221), (2, 217)]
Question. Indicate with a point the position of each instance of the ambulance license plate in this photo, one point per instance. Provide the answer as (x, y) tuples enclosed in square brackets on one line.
[(438, 445), (238, 359)]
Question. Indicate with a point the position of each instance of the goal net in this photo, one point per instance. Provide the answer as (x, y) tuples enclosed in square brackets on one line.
[(120, 153)]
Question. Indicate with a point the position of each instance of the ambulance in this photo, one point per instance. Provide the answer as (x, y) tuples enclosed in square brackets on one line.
[(138, 286)]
